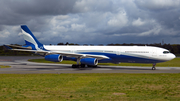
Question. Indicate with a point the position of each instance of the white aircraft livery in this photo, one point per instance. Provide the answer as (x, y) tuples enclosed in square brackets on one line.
[(92, 55)]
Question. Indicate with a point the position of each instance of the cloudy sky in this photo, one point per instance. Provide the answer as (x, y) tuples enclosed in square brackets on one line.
[(91, 21)]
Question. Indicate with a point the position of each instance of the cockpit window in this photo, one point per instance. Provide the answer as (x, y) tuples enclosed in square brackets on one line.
[(165, 52)]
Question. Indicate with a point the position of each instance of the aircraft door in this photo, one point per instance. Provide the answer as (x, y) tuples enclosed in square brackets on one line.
[(154, 52), (73, 50), (118, 52)]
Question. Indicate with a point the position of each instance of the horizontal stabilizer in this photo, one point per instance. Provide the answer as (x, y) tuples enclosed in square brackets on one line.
[(6, 47), (21, 47)]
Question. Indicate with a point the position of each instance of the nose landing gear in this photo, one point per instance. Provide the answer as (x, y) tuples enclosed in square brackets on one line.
[(154, 66)]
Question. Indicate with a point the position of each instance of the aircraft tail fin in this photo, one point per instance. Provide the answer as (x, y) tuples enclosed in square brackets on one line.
[(30, 39)]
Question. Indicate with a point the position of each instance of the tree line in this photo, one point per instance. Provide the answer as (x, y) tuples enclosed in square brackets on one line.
[(173, 48)]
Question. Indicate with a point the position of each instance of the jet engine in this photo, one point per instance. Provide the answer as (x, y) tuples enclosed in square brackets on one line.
[(89, 61), (54, 57)]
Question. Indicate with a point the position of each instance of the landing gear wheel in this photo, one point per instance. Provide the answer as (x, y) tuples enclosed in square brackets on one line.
[(83, 65), (75, 66), (153, 68)]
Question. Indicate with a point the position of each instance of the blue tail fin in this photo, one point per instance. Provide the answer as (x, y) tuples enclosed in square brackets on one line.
[(30, 39)]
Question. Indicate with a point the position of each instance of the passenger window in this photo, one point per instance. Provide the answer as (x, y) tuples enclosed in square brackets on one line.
[(165, 52)]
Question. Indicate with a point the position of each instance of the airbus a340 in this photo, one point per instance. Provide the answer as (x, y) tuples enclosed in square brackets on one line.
[(92, 55)]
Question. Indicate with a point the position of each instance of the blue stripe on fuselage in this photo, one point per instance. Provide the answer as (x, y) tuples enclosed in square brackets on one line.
[(114, 58)]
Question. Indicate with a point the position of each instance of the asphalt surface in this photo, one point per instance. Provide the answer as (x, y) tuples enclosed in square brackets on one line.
[(20, 65)]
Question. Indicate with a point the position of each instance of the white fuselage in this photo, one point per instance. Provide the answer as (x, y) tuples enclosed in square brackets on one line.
[(91, 55), (117, 54)]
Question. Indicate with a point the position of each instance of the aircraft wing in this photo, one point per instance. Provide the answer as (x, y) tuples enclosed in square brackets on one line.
[(76, 55)]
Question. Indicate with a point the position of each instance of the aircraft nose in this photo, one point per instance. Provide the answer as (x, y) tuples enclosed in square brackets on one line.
[(172, 56)]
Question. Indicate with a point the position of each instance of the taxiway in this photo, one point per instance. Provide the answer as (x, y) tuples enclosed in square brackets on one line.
[(20, 65)]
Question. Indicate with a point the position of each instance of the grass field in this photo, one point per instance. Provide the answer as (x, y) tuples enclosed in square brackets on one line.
[(91, 87), (173, 63), (2, 66)]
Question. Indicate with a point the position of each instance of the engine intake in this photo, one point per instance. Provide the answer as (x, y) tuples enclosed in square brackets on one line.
[(54, 57), (89, 61)]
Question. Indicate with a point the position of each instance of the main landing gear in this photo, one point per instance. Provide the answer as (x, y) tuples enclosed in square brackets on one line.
[(154, 66), (82, 66), (78, 65)]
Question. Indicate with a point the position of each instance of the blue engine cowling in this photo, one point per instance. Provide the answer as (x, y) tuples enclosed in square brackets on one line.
[(89, 61), (54, 57)]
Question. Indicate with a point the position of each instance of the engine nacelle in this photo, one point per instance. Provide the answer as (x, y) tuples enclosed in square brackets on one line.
[(89, 61), (54, 57)]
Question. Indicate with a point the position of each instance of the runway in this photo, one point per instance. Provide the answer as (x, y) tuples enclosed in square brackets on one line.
[(20, 65)]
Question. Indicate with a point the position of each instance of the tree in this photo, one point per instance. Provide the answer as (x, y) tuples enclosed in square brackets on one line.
[(60, 43), (67, 43)]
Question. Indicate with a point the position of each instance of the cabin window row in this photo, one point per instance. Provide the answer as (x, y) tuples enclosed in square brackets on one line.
[(136, 52)]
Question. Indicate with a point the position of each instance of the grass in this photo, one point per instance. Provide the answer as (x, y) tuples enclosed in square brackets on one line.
[(173, 63), (2, 66), (96, 87)]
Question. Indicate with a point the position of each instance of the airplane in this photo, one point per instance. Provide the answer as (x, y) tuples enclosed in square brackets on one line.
[(90, 56)]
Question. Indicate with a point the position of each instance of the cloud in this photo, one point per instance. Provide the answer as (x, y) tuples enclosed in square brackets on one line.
[(118, 20), (91, 21), (93, 5), (41, 7), (158, 4), (138, 22), (154, 31)]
